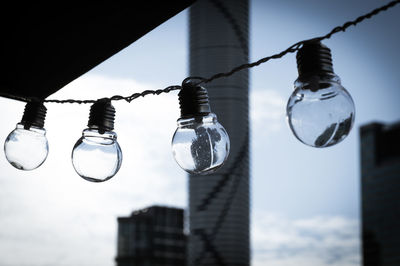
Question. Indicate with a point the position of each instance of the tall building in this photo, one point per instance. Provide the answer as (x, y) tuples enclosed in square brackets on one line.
[(152, 237), (380, 194), (219, 203)]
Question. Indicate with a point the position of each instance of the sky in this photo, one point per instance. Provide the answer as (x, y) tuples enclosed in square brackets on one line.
[(305, 201)]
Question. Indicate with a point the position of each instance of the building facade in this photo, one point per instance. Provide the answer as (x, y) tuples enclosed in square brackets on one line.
[(380, 194), (219, 202), (152, 237)]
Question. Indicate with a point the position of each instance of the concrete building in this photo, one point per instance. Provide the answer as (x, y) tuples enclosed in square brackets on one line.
[(152, 237), (380, 194), (219, 203)]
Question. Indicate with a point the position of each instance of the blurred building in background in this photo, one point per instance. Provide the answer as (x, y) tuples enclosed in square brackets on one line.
[(380, 194), (152, 237), (219, 203)]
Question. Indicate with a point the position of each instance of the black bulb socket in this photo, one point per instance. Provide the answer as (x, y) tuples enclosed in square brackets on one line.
[(193, 100), (102, 116), (314, 58), (34, 115)]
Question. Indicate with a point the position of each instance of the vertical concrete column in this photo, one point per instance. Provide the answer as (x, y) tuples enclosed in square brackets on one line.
[(219, 203)]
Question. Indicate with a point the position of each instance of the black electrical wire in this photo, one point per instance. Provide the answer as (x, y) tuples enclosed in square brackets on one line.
[(297, 46), (118, 97), (291, 49)]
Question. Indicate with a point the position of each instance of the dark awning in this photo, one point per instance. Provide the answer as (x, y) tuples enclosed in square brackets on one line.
[(46, 46)]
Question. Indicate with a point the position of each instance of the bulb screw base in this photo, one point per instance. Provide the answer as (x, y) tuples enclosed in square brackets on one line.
[(193, 100), (314, 58), (102, 116), (34, 115)]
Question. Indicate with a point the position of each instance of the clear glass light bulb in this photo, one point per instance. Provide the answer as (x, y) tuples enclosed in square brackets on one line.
[(26, 149), (320, 111), (200, 144), (97, 157)]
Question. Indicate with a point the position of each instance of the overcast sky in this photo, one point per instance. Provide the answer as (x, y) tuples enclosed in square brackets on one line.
[(305, 201)]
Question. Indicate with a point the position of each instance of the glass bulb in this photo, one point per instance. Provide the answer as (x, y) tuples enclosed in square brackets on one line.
[(200, 144), (97, 157), (26, 149), (320, 111)]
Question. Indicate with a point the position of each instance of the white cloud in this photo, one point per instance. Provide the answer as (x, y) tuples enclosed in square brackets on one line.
[(50, 216), (315, 241), (267, 111)]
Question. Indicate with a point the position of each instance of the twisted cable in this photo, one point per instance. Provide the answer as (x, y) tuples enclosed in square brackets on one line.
[(291, 49)]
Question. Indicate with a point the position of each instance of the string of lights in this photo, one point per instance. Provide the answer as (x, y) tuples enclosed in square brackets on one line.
[(200, 144)]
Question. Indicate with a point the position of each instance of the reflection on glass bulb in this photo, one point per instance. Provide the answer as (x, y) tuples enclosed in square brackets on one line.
[(26, 149), (320, 111), (200, 144), (97, 157)]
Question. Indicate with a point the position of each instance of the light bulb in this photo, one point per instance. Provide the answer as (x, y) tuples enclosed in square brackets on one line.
[(97, 156), (320, 111), (200, 144), (26, 147)]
